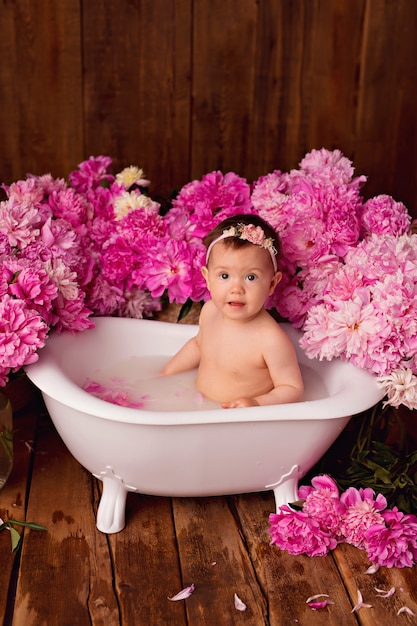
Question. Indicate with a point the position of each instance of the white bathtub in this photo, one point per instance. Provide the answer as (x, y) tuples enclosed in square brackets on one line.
[(187, 453)]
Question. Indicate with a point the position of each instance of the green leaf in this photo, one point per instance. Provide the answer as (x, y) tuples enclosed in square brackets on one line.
[(185, 309), (383, 475), (15, 537)]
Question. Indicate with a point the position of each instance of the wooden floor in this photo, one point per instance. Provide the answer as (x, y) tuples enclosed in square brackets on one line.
[(72, 574)]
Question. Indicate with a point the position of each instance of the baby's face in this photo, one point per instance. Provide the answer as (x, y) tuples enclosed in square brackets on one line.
[(240, 279)]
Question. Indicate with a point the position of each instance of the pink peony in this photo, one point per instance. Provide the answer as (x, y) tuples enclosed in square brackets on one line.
[(362, 511), (26, 191), (207, 202), (323, 504), (91, 173), (268, 197), (104, 297), (68, 204), (343, 284), (375, 257), (34, 286), (343, 224), (138, 304), (72, 315), (19, 222), (306, 242), (22, 333), (346, 331), (382, 215), (170, 268), (329, 165), (291, 301), (400, 386), (393, 542), (118, 260), (298, 533)]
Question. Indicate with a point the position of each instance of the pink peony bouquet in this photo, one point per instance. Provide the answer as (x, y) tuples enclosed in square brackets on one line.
[(41, 263), (356, 516), (349, 269)]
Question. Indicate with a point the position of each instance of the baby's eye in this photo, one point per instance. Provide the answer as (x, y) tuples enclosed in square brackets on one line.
[(224, 275), (251, 277)]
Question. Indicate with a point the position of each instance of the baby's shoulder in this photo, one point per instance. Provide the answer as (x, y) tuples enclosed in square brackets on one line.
[(272, 331), (267, 321), (208, 311)]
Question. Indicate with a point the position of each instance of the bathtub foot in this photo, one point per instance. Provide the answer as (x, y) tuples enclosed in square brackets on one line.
[(112, 507), (286, 488)]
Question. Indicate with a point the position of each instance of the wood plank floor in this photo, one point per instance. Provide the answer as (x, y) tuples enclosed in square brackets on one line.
[(72, 574)]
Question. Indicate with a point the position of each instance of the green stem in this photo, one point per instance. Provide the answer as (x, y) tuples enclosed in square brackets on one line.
[(372, 420), (6, 439)]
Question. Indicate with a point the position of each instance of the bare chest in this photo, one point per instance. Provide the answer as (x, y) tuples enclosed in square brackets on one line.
[(235, 352)]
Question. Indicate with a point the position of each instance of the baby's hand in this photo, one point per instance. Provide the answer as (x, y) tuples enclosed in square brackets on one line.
[(240, 403)]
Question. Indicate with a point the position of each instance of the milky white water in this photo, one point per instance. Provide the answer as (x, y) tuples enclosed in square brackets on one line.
[(136, 382)]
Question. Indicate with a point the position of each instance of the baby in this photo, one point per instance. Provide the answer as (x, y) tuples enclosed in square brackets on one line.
[(243, 356)]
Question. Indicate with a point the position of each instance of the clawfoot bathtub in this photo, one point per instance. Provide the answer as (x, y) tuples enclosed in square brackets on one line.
[(188, 452)]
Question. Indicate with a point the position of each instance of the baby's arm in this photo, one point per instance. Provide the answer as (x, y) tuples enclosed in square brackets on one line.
[(281, 360), (187, 358), (288, 383)]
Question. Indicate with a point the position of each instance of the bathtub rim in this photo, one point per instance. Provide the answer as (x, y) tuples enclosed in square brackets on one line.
[(52, 381)]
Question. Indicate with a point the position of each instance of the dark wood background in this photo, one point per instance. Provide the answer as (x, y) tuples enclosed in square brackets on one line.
[(182, 87)]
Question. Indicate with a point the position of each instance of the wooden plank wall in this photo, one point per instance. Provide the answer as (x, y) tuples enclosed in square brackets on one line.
[(182, 87)]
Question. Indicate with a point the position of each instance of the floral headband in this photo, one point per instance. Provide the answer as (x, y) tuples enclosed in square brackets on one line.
[(248, 232)]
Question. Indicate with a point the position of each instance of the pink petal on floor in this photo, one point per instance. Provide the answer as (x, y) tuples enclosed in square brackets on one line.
[(315, 603), (239, 605), (316, 597), (372, 569), (385, 594), (405, 609), (183, 594), (360, 604)]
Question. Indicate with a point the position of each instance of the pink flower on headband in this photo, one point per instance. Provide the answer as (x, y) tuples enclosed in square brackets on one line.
[(254, 234)]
